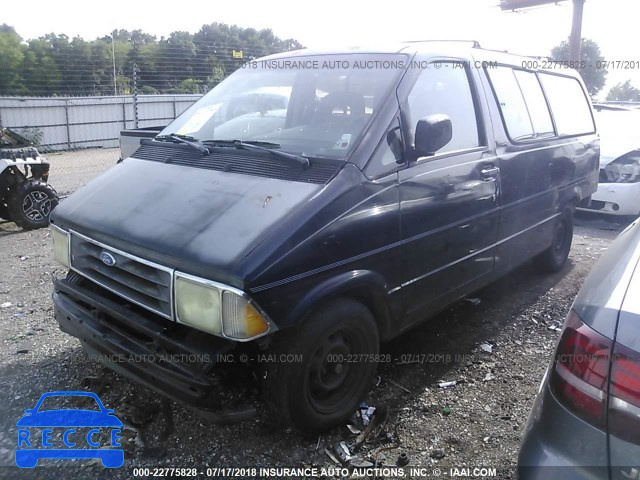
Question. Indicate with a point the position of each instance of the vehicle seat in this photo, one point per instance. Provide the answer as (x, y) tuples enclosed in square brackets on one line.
[(339, 105)]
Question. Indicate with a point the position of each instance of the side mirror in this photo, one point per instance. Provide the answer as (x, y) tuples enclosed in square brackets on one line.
[(432, 133)]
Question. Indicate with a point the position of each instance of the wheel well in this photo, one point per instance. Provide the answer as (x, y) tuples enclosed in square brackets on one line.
[(376, 305), (365, 287), (11, 176)]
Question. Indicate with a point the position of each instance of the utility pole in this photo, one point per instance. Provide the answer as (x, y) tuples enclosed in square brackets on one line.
[(575, 40)]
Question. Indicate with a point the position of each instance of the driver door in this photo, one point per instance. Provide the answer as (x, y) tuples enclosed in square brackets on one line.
[(449, 200)]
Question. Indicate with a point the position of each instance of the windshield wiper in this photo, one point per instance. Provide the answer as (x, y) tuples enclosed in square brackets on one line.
[(259, 146), (185, 139)]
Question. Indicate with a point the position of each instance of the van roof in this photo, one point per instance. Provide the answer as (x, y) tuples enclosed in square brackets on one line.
[(467, 49)]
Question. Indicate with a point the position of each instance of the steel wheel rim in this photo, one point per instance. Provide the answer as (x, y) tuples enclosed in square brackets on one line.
[(332, 376)]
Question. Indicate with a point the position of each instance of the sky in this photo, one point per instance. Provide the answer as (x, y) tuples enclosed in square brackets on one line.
[(333, 23)]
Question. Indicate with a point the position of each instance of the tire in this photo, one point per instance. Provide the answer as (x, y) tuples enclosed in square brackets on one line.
[(553, 258), (4, 211), (31, 203), (316, 391)]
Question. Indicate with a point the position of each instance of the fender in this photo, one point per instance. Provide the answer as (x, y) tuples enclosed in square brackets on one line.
[(366, 286)]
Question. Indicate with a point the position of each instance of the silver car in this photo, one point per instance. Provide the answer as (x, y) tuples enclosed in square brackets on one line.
[(585, 422)]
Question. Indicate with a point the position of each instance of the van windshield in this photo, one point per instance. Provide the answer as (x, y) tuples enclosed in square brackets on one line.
[(314, 106)]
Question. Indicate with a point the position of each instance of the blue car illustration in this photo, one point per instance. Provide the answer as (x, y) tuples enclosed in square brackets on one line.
[(32, 448)]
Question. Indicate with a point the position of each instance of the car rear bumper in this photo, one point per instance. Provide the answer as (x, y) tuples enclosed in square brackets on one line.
[(153, 352), (616, 199), (557, 444)]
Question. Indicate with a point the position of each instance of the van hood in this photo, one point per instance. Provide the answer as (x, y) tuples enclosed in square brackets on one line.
[(201, 221)]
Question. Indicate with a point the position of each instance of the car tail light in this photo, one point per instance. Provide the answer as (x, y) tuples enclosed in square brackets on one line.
[(580, 371), (624, 395)]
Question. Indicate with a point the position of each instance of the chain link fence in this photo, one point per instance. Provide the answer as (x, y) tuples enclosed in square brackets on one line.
[(80, 135)]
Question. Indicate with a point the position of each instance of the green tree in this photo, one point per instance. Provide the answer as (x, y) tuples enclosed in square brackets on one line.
[(40, 73), (624, 92), (102, 67), (188, 85), (590, 55), (56, 64), (174, 59), (11, 58)]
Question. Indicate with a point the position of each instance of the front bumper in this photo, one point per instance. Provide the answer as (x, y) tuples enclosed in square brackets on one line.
[(616, 199), (167, 358)]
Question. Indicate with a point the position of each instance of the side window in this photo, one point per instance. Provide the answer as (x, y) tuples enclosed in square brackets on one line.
[(536, 103), (444, 88), (569, 104), (512, 104)]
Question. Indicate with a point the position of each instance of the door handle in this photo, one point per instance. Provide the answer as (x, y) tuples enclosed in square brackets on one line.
[(490, 173)]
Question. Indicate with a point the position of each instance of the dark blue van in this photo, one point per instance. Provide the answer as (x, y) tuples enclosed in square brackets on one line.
[(302, 232)]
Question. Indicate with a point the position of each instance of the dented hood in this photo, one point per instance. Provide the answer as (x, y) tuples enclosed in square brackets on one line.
[(202, 221)]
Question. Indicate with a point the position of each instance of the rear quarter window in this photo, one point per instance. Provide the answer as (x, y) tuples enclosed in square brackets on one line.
[(569, 104)]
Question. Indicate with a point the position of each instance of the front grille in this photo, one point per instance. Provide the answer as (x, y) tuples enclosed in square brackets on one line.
[(139, 281)]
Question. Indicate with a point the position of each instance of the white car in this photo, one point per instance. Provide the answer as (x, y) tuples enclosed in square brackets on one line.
[(619, 183)]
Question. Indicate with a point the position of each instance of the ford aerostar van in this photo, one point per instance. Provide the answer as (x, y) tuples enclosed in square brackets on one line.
[(304, 232)]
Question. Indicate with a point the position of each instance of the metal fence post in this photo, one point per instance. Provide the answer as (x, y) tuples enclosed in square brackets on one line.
[(66, 117), (124, 112), (135, 97)]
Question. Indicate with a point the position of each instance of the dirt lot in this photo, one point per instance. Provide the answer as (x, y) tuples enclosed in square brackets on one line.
[(478, 422), (71, 170)]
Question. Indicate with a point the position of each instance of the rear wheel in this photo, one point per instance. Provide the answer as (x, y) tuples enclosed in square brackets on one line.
[(553, 258), (321, 370), (31, 203)]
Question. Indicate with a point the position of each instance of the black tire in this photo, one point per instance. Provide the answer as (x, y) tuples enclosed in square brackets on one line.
[(553, 258), (4, 211), (30, 204), (317, 391)]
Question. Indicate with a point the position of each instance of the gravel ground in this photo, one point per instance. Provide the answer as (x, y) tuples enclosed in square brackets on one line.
[(478, 422), (71, 170)]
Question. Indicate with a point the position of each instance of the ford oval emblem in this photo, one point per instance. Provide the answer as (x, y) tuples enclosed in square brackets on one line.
[(108, 259)]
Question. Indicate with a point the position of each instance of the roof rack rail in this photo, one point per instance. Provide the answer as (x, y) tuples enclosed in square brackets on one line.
[(475, 43)]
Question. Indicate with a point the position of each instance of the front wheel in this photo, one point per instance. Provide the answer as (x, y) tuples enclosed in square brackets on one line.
[(31, 203), (555, 256), (321, 370), (4, 211)]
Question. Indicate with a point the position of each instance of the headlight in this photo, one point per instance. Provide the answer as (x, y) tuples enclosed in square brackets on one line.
[(60, 245), (217, 309), (198, 305)]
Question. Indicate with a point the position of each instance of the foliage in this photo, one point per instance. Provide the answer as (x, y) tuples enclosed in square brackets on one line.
[(593, 73), (180, 63), (33, 134), (624, 92)]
